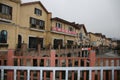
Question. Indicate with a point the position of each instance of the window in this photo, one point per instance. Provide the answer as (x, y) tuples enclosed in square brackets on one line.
[(38, 11), (58, 25), (33, 22), (36, 23), (41, 24), (34, 41), (3, 36), (19, 41), (6, 10), (69, 43), (58, 42), (81, 36), (70, 28)]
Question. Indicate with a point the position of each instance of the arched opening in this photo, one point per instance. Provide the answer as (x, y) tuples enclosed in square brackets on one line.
[(3, 36), (19, 41)]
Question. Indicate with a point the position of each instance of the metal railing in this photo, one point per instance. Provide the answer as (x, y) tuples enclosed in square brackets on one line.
[(41, 70)]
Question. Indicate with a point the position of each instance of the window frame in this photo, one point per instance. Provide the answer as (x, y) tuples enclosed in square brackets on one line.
[(59, 25), (70, 28), (3, 36), (37, 23), (7, 9), (35, 40), (38, 11)]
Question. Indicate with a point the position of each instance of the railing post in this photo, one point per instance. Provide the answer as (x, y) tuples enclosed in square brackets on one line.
[(115, 71), (41, 73), (28, 74), (85, 64), (10, 63), (66, 75), (2, 74), (92, 57), (73, 61), (52, 62), (101, 74), (109, 73), (15, 75), (78, 75), (113, 74), (60, 73), (104, 72)]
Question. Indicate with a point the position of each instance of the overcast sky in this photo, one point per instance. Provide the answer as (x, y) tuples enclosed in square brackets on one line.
[(101, 16)]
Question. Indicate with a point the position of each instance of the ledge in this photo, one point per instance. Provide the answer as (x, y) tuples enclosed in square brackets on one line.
[(39, 30), (63, 33), (4, 45), (5, 20)]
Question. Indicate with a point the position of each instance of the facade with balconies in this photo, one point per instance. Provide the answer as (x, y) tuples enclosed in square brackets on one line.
[(63, 33), (9, 20), (30, 23), (34, 21), (23, 23)]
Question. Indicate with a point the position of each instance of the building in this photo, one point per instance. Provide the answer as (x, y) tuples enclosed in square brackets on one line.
[(23, 23), (114, 44), (35, 22), (63, 33), (32, 24), (83, 37), (9, 20)]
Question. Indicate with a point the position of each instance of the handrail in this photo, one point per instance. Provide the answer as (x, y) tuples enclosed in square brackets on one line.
[(54, 69)]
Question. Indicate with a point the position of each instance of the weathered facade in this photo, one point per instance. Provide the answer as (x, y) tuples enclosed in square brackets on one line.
[(9, 20), (23, 23), (62, 33), (30, 23)]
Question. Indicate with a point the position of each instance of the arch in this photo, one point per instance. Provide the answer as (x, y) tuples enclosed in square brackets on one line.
[(19, 41), (3, 36)]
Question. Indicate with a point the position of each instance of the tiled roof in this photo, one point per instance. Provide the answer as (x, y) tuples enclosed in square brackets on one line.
[(77, 26)]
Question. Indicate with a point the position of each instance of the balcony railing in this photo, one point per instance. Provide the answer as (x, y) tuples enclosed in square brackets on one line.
[(4, 16), (13, 70), (63, 31)]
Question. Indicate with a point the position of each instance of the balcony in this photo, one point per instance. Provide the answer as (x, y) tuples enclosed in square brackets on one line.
[(5, 16), (63, 31), (36, 28)]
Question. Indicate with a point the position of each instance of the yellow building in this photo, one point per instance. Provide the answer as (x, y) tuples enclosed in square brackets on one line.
[(108, 42), (30, 23), (93, 39), (35, 22), (9, 20), (82, 35), (62, 33), (96, 39), (114, 44), (23, 23)]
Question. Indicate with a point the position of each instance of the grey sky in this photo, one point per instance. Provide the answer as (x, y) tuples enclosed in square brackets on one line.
[(101, 16)]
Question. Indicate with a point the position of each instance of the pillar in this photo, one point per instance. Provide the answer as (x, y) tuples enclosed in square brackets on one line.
[(10, 63), (92, 57), (52, 64)]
